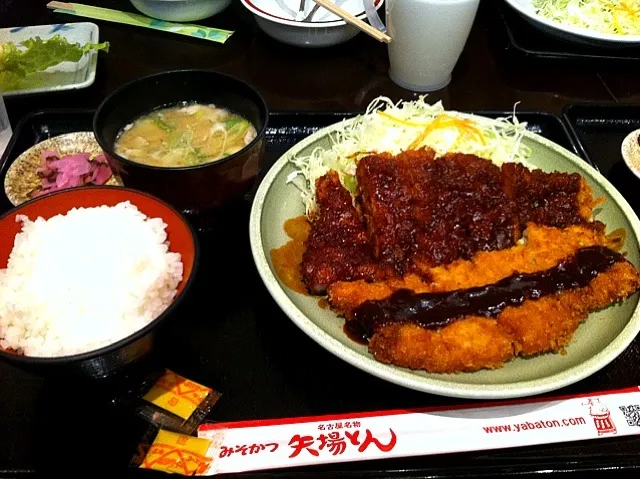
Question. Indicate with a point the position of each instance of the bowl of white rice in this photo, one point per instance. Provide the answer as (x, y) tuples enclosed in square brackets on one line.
[(87, 275)]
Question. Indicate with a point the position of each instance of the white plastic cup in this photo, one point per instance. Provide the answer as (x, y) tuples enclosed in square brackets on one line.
[(5, 127), (427, 38)]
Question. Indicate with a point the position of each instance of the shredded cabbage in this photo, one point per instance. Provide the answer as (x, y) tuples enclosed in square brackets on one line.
[(393, 128), (619, 17)]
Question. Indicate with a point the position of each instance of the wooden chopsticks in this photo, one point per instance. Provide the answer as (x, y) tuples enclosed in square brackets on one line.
[(353, 20)]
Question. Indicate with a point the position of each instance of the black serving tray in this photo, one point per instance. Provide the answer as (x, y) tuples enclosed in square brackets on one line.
[(598, 131), (525, 42), (231, 335)]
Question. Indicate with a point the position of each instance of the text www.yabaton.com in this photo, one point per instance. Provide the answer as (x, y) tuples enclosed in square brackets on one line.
[(529, 425)]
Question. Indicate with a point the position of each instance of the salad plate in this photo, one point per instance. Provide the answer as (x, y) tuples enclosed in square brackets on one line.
[(596, 342), (61, 75), (583, 22)]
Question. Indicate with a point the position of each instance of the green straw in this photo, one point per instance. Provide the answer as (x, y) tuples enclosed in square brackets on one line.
[(189, 29)]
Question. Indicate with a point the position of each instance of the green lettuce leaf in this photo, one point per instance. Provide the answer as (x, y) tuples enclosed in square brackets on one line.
[(34, 55)]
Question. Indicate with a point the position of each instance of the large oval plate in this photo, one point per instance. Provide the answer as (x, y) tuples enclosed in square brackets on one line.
[(569, 33), (599, 340)]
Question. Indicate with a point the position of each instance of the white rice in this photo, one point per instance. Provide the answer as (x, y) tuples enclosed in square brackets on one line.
[(83, 280)]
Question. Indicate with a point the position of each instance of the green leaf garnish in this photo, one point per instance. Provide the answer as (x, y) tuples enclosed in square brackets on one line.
[(34, 55)]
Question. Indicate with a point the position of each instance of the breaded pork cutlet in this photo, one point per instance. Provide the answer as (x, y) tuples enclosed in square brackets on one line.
[(552, 199), (386, 198), (473, 343), (338, 247), (543, 248), (421, 211), (427, 237)]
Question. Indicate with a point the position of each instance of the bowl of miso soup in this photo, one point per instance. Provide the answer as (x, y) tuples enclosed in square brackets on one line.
[(194, 138)]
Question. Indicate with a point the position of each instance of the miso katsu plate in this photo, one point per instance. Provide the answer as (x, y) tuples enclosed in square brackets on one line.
[(446, 252)]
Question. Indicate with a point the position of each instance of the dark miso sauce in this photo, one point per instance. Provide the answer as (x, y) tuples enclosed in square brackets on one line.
[(355, 332), (435, 310)]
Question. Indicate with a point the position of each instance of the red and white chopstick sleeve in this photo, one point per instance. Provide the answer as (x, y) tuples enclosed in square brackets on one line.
[(281, 443)]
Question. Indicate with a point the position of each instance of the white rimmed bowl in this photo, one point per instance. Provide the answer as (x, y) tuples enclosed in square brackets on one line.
[(569, 33), (180, 10), (277, 19)]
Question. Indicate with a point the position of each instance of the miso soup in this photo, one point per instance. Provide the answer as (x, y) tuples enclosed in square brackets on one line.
[(184, 135)]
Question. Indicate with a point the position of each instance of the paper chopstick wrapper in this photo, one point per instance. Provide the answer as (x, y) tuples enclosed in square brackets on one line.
[(270, 444), (106, 14)]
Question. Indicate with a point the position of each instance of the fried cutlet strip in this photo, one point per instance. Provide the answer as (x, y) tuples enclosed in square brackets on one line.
[(338, 247), (466, 345), (475, 343), (544, 247), (552, 199), (549, 325)]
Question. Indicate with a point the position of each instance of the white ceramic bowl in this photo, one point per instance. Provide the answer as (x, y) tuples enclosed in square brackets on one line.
[(277, 19), (570, 33), (180, 10)]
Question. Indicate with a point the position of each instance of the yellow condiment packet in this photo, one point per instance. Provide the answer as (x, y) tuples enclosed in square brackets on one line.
[(176, 453), (177, 394)]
